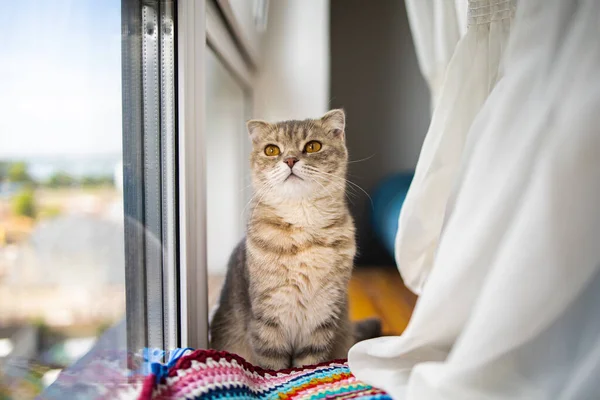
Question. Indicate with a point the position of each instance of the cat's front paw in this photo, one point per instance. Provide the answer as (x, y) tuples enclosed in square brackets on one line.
[(304, 360)]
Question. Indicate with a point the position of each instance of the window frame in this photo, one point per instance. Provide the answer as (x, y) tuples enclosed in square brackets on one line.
[(229, 47), (149, 174), (164, 47), (201, 25), (193, 290)]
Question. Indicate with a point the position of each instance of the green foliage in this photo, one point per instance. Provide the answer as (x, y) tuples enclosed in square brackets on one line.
[(61, 179), (18, 173), (49, 212), (23, 204), (4, 170), (93, 181)]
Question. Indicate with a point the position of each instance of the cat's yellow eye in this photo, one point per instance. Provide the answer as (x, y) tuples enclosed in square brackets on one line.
[(272, 150), (312, 147)]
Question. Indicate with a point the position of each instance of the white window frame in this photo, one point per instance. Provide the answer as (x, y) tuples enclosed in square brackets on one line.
[(200, 24)]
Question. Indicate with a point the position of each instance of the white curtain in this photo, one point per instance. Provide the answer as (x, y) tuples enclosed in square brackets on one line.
[(472, 73), (435, 27), (511, 307)]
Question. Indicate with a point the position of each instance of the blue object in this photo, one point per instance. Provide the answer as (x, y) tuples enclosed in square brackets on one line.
[(388, 199), (153, 365)]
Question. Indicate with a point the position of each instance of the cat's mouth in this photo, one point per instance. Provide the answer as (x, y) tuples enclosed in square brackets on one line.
[(292, 177)]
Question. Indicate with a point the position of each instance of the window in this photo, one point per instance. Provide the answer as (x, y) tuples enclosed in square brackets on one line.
[(229, 92), (227, 162), (150, 178), (123, 176), (62, 269)]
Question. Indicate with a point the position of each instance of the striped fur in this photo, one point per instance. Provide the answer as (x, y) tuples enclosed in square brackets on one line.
[(284, 302)]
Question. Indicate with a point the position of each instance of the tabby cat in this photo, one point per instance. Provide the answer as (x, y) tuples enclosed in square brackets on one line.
[(284, 303)]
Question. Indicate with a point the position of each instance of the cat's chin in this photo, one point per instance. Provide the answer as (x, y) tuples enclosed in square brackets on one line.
[(294, 187)]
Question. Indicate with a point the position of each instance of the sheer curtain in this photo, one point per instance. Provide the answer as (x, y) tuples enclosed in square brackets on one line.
[(471, 74), (510, 309), (436, 27)]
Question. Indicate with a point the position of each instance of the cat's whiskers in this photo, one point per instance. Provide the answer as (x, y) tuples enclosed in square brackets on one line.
[(245, 187), (342, 178), (362, 159), (260, 191), (320, 184), (259, 201), (254, 194), (337, 185), (274, 177)]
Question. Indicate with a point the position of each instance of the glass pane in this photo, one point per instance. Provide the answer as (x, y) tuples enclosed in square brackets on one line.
[(61, 213), (227, 163)]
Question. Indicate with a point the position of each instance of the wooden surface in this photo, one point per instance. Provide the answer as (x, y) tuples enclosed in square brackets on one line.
[(380, 292), (374, 292)]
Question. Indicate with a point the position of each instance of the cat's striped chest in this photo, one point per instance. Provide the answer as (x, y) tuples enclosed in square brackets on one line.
[(300, 301)]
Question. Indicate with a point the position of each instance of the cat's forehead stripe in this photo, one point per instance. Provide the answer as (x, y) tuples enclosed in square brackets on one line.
[(295, 129)]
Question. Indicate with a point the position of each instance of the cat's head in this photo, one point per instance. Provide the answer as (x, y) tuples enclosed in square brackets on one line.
[(299, 159)]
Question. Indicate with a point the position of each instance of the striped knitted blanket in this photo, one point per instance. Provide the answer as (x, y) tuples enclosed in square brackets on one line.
[(208, 374)]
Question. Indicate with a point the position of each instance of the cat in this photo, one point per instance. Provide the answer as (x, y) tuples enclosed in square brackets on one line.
[(284, 302)]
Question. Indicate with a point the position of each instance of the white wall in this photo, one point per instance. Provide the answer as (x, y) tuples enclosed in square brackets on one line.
[(294, 72), (226, 162)]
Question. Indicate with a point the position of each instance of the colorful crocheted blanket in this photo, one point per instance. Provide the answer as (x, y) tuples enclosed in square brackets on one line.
[(208, 374)]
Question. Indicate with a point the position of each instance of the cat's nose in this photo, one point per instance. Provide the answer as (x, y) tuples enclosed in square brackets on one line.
[(291, 161)]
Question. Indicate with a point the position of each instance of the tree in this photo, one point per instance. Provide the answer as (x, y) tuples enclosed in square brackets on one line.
[(94, 181), (61, 179), (18, 173), (4, 170), (23, 204)]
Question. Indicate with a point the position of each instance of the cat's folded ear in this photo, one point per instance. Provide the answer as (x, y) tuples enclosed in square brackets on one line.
[(335, 122), (256, 128)]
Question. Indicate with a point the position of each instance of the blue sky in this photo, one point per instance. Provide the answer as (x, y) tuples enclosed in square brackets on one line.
[(60, 77)]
